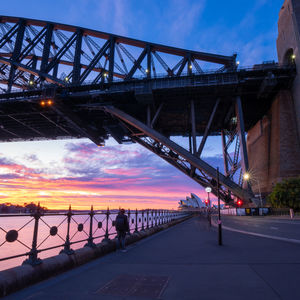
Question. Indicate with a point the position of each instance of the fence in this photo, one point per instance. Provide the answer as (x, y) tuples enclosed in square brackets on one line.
[(69, 230)]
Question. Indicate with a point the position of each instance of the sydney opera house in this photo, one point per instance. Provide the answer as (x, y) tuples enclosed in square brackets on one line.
[(191, 202)]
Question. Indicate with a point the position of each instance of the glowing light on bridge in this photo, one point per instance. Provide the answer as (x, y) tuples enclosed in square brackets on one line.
[(246, 176)]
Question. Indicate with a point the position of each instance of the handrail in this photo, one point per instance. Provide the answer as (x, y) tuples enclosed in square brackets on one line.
[(97, 225), (141, 78)]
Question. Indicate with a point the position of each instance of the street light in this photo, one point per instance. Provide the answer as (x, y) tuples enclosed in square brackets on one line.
[(247, 177), (208, 190)]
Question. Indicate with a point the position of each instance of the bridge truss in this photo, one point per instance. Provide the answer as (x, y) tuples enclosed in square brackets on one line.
[(63, 81)]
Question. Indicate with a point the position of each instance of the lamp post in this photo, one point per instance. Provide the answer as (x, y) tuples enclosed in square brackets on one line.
[(220, 239), (208, 190), (247, 177)]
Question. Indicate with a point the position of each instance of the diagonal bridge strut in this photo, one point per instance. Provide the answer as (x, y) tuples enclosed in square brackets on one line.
[(179, 157)]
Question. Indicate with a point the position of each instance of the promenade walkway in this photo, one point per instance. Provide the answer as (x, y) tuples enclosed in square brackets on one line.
[(183, 262)]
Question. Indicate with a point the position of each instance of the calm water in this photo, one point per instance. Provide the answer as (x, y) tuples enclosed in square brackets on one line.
[(25, 225)]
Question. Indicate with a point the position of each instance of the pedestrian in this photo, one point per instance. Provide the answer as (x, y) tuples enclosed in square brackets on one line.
[(122, 226)]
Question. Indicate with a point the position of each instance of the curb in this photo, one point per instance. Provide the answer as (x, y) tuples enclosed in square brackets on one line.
[(22, 276), (294, 241)]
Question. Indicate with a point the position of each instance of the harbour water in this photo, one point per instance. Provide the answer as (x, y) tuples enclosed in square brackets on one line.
[(24, 226)]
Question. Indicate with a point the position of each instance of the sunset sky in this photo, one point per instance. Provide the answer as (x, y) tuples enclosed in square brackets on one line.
[(77, 172)]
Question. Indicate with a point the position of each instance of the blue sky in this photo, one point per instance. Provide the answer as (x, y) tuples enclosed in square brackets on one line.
[(248, 28)]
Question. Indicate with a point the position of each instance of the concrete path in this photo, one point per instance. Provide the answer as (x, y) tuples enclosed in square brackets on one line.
[(183, 262)]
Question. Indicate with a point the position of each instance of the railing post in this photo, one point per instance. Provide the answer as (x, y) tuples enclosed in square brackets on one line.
[(151, 218), (136, 221), (129, 220), (143, 227), (147, 218), (33, 259), (156, 217), (159, 217), (90, 242), (67, 249), (106, 237)]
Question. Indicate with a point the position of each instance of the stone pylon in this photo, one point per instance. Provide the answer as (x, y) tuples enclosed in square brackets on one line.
[(273, 143)]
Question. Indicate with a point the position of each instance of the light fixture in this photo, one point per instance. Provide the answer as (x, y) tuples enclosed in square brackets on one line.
[(246, 176), (208, 189)]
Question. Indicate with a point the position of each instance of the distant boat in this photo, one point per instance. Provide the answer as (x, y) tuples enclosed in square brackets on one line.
[(191, 202)]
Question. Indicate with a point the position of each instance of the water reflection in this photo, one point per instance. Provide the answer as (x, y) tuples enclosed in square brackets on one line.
[(49, 237)]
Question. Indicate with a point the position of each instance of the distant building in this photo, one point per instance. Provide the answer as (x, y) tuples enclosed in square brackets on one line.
[(191, 202)]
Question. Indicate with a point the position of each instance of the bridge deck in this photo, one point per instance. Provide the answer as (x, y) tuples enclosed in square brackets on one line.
[(75, 109), (188, 259)]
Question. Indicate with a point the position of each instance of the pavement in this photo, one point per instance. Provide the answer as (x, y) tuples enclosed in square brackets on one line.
[(281, 228), (183, 262)]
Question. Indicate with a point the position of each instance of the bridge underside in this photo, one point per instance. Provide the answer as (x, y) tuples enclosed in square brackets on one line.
[(149, 112), (128, 101)]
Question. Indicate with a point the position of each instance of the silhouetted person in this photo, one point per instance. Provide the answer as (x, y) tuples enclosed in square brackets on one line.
[(122, 226)]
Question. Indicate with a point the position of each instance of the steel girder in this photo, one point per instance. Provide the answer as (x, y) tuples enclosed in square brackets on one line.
[(234, 146), (186, 161), (34, 52)]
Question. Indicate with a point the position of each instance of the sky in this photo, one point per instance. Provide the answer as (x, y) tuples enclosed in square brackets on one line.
[(77, 172)]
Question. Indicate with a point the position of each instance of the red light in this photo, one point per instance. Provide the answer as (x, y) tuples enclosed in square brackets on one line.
[(43, 103), (240, 202), (206, 201)]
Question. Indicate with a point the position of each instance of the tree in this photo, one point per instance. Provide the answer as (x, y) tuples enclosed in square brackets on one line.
[(286, 194)]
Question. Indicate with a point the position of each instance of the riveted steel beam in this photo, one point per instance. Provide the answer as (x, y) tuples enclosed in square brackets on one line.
[(191, 159), (136, 64), (111, 59), (77, 58), (33, 71), (205, 135), (46, 48), (95, 60), (26, 125), (241, 133), (154, 120), (16, 52)]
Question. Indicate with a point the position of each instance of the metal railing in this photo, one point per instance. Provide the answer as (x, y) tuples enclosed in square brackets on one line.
[(139, 79), (88, 227)]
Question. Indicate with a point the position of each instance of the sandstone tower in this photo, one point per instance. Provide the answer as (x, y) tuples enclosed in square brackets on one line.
[(274, 143)]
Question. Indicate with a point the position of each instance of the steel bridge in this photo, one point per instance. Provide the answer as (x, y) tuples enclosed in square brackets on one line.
[(62, 81)]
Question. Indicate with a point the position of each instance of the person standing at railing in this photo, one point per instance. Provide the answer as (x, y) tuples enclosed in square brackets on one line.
[(122, 226)]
